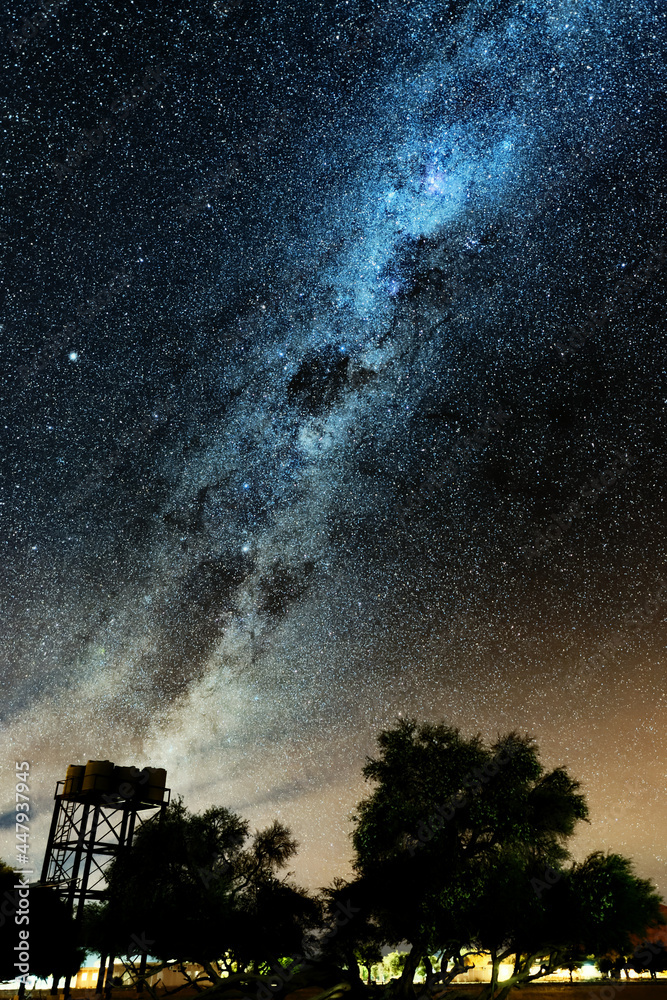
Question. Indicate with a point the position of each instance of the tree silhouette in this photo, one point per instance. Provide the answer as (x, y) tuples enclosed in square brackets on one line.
[(200, 888), (461, 847), (54, 948)]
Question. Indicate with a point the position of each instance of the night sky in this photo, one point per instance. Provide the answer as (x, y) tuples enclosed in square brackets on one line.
[(333, 385)]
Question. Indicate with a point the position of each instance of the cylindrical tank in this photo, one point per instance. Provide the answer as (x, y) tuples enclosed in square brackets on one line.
[(125, 780), (153, 790), (97, 777), (123, 774), (74, 779)]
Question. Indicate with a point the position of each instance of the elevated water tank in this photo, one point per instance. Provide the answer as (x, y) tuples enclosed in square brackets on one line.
[(97, 776), (153, 789), (74, 779), (123, 776)]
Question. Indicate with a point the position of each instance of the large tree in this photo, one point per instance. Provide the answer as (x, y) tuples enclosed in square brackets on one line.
[(200, 888), (53, 944), (462, 847), (352, 937), (557, 917)]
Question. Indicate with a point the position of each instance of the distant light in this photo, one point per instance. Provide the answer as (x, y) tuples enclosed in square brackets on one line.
[(589, 971), (73, 356), (246, 486)]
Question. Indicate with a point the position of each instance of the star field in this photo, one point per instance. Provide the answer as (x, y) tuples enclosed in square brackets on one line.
[(334, 390)]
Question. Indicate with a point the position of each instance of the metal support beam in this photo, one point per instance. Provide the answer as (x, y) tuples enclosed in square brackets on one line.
[(90, 828)]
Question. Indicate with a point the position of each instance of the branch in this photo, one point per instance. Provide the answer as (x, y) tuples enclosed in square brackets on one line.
[(552, 963), (212, 974), (131, 968), (189, 981), (521, 972)]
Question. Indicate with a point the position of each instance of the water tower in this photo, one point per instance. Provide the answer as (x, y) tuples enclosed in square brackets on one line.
[(98, 808)]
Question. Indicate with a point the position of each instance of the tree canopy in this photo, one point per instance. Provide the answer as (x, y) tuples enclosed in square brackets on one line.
[(462, 847), (53, 942), (201, 888)]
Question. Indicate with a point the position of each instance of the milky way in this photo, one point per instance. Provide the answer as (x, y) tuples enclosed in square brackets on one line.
[(334, 390)]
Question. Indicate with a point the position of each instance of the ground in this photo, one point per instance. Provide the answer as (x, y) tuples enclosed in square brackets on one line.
[(599, 989)]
